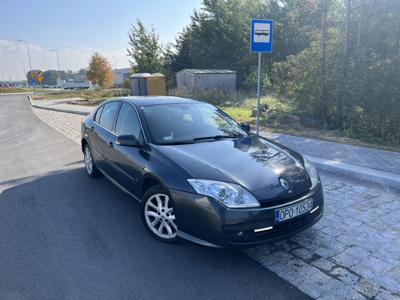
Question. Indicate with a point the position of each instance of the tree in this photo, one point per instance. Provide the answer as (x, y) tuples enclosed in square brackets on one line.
[(100, 71), (219, 35), (145, 50)]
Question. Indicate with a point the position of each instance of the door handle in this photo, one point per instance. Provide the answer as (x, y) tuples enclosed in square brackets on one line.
[(110, 145)]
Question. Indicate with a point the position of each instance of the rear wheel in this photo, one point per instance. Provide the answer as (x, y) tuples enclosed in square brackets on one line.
[(89, 162), (158, 214)]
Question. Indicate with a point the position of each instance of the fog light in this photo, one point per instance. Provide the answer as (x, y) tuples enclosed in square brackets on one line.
[(241, 235)]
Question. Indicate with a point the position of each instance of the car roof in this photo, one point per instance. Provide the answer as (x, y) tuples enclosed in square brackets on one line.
[(155, 100)]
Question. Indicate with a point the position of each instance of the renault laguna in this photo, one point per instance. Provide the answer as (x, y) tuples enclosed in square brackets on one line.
[(198, 174)]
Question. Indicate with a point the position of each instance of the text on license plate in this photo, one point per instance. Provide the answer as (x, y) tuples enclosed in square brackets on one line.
[(289, 212)]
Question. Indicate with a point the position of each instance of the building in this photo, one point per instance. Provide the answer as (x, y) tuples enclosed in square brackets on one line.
[(200, 80), (120, 75)]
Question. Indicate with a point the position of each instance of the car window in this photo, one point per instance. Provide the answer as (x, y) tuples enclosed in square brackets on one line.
[(98, 114), (169, 123), (108, 114), (127, 122)]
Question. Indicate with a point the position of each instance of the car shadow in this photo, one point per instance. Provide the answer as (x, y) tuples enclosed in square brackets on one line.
[(65, 235)]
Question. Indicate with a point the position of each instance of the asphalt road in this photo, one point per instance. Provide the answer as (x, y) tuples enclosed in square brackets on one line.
[(64, 235)]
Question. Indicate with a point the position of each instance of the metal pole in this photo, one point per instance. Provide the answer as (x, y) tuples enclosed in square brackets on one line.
[(259, 93), (2, 73), (29, 55), (58, 65)]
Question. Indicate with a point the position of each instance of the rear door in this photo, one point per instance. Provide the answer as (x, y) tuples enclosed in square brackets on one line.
[(104, 137), (129, 161)]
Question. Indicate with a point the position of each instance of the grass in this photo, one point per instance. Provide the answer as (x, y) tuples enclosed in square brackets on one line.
[(91, 96), (14, 90), (281, 118)]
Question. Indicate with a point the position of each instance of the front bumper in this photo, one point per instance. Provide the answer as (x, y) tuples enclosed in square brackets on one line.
[(204, 220)]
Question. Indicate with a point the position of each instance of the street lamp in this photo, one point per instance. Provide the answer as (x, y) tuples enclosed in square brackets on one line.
[(58, 61), (29, 54), (58, 65)]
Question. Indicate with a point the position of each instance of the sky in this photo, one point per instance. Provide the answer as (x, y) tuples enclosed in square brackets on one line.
[(77, 28)]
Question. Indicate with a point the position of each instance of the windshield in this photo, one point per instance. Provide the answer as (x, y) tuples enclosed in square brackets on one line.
[(189, 122)]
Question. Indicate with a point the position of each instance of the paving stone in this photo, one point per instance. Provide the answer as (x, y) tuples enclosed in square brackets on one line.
[(366, 288), (345, 276), (303, 253), (324, 264)]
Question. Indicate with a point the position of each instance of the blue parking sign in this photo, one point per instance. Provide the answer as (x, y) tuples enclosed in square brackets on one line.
[(261, 35)]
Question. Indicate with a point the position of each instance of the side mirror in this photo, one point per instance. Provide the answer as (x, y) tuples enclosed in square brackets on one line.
[(128, 140), (245, 127)]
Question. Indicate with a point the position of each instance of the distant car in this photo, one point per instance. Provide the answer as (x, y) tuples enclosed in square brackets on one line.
[(200, 175)]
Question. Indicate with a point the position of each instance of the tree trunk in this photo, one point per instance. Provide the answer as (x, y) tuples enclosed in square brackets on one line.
[(324, 33), (343, 88)]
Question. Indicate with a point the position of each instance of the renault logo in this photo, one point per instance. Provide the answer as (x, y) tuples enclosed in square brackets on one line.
[(285, 184)]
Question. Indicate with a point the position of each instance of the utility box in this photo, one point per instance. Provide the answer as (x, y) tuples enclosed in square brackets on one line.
[(146, 84), (206, 80)]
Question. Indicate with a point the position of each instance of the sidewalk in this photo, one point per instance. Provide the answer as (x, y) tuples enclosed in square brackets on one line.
[(62, 106), (360, 163), (381, 160)]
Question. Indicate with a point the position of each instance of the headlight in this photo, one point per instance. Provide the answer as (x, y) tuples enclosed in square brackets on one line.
[(312, 172), (229, 194)]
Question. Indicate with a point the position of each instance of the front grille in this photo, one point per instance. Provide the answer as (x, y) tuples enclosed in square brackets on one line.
[(281, 201)]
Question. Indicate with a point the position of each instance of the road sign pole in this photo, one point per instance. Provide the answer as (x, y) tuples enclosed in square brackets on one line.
[(259, 92), (261, 42)]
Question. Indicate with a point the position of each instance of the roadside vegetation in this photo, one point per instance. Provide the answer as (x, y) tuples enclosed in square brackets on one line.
[(91, 96), (333, 73), (14, 90), (335, 62)]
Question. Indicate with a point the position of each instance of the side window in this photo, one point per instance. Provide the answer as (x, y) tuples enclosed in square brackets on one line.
[(108, 115), (128, 122), (98, 114)]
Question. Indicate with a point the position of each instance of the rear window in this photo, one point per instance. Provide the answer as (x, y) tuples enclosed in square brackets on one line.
[(108, 115), (98, 114)]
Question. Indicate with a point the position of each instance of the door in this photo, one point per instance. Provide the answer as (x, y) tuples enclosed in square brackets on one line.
[(103, 137), (130, 161)]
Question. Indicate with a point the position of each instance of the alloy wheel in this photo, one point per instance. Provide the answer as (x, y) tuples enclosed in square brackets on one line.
[(88, 160), (160, 217)]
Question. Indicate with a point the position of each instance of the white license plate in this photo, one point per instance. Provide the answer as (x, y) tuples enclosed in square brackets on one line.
[(289, 212)]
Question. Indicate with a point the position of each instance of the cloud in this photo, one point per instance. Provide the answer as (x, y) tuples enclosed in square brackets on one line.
[(14, 58)]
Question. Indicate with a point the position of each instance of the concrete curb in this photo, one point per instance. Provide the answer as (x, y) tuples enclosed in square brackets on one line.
[(77, 112), (374, 177)]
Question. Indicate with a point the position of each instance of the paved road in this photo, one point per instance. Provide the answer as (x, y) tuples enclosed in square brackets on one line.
[(64, 235)]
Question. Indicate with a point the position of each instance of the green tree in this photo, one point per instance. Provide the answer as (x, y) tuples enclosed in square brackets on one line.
[(144, 49)]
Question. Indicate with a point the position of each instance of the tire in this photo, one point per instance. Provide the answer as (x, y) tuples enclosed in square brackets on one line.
[(90, 167), (158, 214)]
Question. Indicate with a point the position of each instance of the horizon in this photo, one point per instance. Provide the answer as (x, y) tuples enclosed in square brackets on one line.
[(74, 40)]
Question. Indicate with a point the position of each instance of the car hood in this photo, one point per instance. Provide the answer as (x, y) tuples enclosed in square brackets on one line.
[(253, 162)]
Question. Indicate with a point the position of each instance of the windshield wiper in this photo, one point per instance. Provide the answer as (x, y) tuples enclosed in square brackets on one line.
[(216, 137), (177, 142)]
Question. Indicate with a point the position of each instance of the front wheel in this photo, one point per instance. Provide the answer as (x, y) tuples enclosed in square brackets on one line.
[(158, 214), (89, 162)]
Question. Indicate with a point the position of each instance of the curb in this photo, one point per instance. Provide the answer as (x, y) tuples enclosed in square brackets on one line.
[(374, 177), (77, 112)]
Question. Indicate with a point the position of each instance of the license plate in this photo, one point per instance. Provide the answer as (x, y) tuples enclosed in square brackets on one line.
[(289, 212)]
